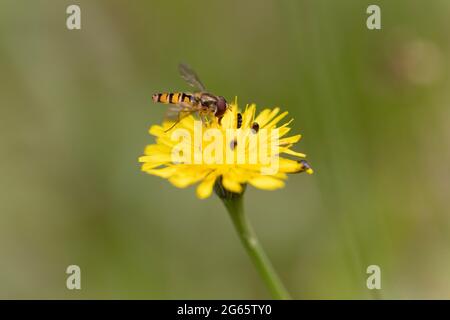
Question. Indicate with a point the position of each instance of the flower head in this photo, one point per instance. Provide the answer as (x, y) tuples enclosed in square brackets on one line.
[(238, 149)]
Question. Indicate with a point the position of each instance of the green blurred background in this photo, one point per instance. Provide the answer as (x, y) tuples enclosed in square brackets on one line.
[(373, 108)]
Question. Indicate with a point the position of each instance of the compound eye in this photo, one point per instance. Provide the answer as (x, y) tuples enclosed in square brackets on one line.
[(221, 106)]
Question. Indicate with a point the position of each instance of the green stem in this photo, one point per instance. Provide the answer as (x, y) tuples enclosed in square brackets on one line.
[(248, 238)]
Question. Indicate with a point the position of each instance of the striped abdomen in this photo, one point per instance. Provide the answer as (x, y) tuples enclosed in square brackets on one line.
[(173, 98)]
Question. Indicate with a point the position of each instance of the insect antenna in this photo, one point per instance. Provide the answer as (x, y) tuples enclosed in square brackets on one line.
[(172, 126)]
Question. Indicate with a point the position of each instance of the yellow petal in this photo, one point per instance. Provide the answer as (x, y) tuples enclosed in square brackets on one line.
[(183, 181), (205, 188), (266, 182), (158, 157), (272, 123), (248, 116), (150, 165), (264, 117), (229, 119), (292, 152), (156, 130), (282, 131), (230, 184), (288, 165), (156, 148), (293, 139), (286, 124), (165, 172)]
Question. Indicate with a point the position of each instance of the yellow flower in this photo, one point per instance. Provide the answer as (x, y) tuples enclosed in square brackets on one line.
[(159, 157)]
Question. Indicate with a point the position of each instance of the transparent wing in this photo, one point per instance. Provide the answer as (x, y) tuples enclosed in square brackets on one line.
[(190, 77), (176, 112)]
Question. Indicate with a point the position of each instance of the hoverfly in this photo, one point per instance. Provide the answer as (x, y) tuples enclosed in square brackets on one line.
[(182, 104)]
